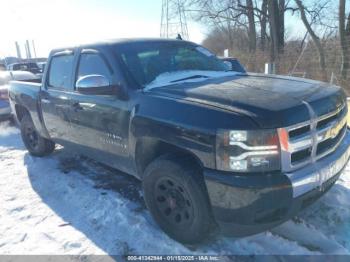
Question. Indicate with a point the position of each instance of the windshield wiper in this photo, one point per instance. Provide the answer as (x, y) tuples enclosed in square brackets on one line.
[(190, 77)]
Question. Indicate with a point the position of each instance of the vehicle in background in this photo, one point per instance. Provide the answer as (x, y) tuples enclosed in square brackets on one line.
[(234, 64), (5, 78), (25, 66), (211, 146), (41, 65)]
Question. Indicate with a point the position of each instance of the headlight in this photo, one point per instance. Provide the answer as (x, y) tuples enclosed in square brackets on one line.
[(247, 151)]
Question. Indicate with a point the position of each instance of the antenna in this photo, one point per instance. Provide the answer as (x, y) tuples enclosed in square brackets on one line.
[(173, 20)]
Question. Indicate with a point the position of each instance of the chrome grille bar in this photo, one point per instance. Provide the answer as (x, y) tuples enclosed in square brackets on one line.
[(326, 131)]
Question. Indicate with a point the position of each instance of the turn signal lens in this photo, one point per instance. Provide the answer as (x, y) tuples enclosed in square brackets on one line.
[(284, 138)]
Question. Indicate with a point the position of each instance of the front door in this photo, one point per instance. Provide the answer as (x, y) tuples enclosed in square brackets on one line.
[(100, 121)]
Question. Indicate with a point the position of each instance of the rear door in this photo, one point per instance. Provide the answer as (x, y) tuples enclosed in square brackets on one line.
[(55, 96), (101, 121)]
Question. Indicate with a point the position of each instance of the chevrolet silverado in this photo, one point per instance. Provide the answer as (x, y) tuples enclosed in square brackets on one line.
[(214, 148)]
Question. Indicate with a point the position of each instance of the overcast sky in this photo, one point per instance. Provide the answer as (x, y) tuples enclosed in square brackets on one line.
[(54, 23)]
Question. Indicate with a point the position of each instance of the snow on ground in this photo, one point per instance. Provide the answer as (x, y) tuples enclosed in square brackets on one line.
[(64, 204)]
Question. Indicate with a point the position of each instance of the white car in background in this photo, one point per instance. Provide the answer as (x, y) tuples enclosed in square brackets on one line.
[(5, 78)]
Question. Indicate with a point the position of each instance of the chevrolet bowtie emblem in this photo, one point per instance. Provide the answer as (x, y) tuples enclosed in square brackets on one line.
[(333, 133)]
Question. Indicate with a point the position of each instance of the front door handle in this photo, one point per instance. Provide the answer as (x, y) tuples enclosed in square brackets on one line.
[(77, 107)]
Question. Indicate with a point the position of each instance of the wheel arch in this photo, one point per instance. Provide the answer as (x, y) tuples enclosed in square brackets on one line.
[(21, 111), (148, 149)]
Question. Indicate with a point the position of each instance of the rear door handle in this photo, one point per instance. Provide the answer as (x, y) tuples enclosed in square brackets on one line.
[(45, 101), (77, 107), (45, 97)]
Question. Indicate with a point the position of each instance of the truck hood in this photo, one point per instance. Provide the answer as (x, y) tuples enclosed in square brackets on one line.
[(271, 101)]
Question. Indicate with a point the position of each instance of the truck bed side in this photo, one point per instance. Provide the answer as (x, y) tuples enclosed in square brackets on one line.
[(24, 96)]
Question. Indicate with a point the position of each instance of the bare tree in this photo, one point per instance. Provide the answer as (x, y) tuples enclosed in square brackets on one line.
[(251, 21), (218, 40), (263, 23), (281, 13), (276, 13), (248, 15), (227, 13), (315, 39), (344, 32), (273, 20)]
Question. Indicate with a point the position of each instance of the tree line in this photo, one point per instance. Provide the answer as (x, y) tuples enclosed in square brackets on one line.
[(257, 26)]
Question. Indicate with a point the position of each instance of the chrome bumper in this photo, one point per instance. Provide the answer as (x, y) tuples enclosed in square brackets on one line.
[(316, 174)]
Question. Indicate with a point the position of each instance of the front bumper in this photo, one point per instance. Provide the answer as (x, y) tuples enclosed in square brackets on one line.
[(246, 205)]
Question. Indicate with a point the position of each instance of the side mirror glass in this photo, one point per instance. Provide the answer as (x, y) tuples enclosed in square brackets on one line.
[(95, 85)]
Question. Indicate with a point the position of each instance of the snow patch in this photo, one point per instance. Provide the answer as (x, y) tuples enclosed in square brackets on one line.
[(6, 129), (171, 78)]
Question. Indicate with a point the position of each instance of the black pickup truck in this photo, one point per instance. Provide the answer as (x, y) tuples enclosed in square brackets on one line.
[(213, 148)]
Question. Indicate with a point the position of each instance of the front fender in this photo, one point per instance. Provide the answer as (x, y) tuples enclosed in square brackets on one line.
[(186, 125)]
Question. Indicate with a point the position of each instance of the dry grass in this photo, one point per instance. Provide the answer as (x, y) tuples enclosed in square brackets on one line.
[(301, 62)]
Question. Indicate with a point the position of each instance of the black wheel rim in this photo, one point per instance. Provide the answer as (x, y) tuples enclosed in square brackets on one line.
[(173, 202), (32, 137)]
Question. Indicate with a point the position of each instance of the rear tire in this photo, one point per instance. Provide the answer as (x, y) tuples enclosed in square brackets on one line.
[(35, 144), (175, 194)]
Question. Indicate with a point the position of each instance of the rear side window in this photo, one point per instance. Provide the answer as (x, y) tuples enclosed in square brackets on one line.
[(93, 64), (61, 68)]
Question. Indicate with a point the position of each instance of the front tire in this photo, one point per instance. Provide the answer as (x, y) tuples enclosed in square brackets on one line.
[(175, 194), (35, 144)]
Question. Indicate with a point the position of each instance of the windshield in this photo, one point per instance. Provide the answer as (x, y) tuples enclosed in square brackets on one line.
[(147, 61)]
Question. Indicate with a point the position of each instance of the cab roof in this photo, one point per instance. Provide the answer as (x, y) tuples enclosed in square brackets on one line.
[(110, 42)]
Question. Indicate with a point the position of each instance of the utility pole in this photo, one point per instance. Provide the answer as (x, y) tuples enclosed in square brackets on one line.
[(29, 55), (18, 49), (34, 50), (173, 20)]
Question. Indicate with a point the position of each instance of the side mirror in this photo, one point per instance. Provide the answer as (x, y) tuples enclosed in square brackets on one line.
[(95, 85)]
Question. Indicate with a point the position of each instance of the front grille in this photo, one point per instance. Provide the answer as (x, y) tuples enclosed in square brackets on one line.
[(330, 143), (301, 155), (314, 139), (299, 131)]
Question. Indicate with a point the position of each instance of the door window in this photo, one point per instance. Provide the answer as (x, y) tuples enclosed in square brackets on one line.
[(93, 64), (60, 72)]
